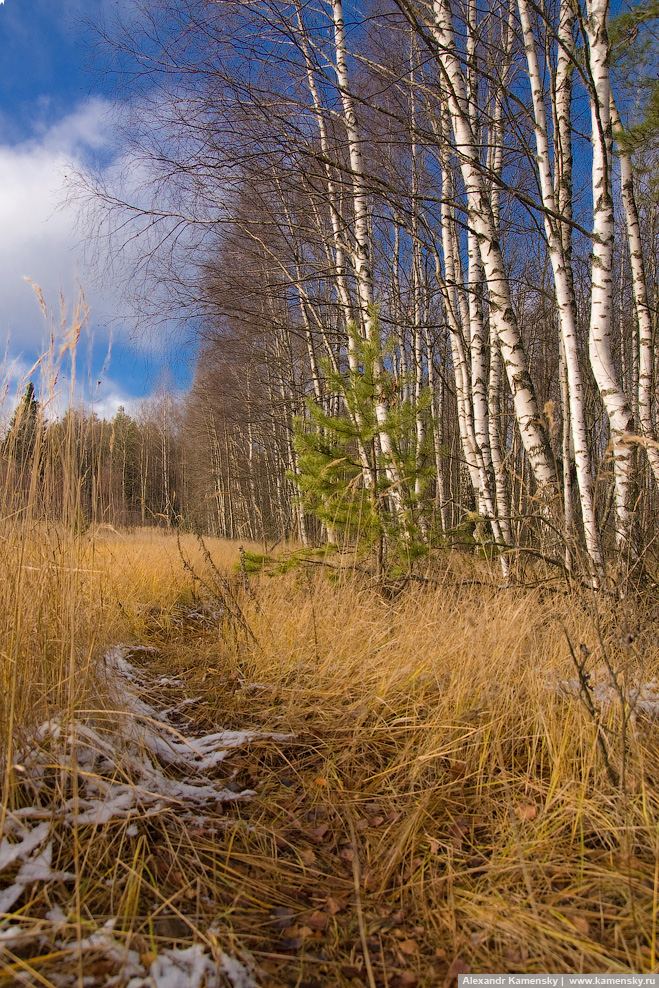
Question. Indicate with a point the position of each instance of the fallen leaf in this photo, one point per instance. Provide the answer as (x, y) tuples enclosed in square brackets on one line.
[(307, 856), (351, 971), (458, 966), (408, 947), (334, 905), (322, 783), (526, 811), (458, 830), (281, 917), (403, 980), (369, 879), (290, 943), (581, 925), (318, 920), (147, 959), (457, 770), (434, 845), (319, 834), (100, 967), (413, 866), (376, 821), (347, 855)]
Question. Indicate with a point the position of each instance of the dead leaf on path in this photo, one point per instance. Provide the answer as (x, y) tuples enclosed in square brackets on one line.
[(408, 947), (434, 845), (403, 980), (413, 867), (458, 966), (101, 966), (581, 925), (307, 856), (318, 835), (526, 811), (351, 971), (281, 917), (347, 855), (369, 879), (458, 830), (322, 783), (457, 769), (335, 904), (286, 944), (376, 821), (318, 920)]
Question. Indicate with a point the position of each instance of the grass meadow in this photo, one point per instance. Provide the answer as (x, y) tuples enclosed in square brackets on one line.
[(434, 789)]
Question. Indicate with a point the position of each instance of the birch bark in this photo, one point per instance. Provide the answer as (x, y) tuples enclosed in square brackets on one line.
[(562, 282), (643, 312), (601, 312), (362, 250), (481, 219)]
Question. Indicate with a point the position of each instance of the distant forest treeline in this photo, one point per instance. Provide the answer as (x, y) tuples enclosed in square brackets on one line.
[(178, 461)]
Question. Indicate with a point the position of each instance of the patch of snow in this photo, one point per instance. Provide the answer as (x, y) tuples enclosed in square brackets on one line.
[(12, 935), (190, 967), (56, 915), (32, 839), (237, 973), (36, 868), (104, 942), (643, 697)]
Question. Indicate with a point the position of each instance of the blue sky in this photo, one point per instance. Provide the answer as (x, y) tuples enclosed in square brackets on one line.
[(54, 115)]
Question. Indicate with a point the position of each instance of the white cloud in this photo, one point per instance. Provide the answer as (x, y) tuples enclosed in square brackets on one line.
[(39, 238)]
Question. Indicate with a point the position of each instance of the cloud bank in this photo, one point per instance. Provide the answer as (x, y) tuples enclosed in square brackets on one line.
[(40, 241)]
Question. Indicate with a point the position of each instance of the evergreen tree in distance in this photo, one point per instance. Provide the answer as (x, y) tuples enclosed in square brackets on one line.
[(20, 440)]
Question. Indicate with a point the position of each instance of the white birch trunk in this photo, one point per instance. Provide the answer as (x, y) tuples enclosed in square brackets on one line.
[(643, 313), (562, 285), (362, 250), (601, 313), (482, 221)]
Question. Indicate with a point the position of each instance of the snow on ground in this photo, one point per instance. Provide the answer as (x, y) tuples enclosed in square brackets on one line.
[(643, 697), (145, 766), (125, 776), (189, 967)]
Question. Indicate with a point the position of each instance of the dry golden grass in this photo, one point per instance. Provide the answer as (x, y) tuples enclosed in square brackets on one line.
[(439, 806)]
